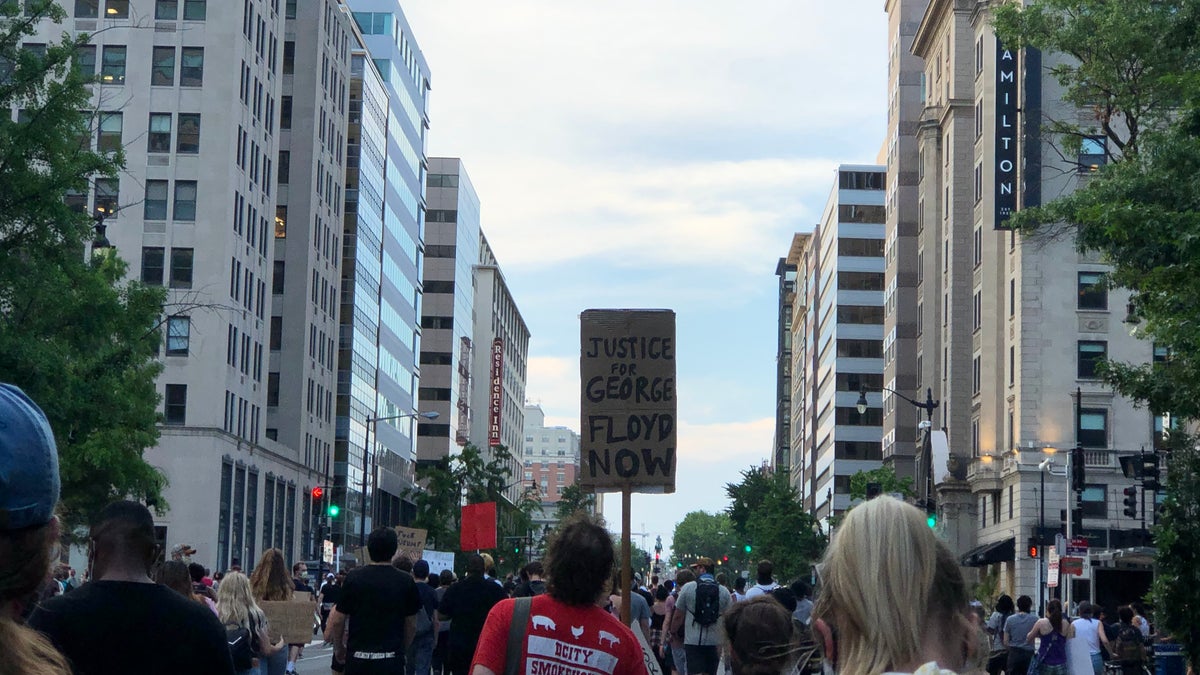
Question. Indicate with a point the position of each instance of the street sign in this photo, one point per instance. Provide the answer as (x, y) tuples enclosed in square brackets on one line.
[(327, 552), (1071, 565), (1078, 547), (1052, 576)]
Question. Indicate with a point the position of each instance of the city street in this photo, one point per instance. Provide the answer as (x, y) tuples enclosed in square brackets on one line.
[(317, 658)]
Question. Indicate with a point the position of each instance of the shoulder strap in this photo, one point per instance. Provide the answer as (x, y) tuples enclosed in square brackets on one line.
[(516, 635)]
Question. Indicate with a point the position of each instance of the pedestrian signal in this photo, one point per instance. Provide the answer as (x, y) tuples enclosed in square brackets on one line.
[(1033, 547)]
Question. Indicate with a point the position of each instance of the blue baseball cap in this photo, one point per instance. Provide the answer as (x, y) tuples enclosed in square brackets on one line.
[(29, 482)]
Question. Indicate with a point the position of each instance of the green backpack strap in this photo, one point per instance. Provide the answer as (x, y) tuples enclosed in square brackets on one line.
[(516, 636)]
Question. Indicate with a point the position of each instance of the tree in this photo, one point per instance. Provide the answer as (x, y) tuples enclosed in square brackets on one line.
[(468, 475), (574, 498), (888, 481), (78, 337), (1177, 572), (766, 512), (705, 534)]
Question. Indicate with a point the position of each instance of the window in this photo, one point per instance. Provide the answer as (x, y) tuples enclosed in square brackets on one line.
[(1093, 153), (441, 216), (1093, 428), (175, 408), (978, 187), (109, 133), (277, 277), (285, 112), (195, 10), (976, 374), (152, 265), (87, 9), (1093, 291), (273, 388), (166, 10), (281, 222), (162, 67), (276, 333), (179, 333), (870, 349), (155, 206), (1012, 365), (112, 64), (185, 201), (857, 381), (1091, 352), (873, 417), (1012, 297), (858, 450), (977, 314), (1094, 502), (191, 69), (860, 281), (181, 268), (978, 250), (867, 248), (289, 57), (861, 180), (85, 60), (116, 9), (108, 196), (285, 167), (289, 9), (853, 213), (860, 314), (188, 141), (159, 136)]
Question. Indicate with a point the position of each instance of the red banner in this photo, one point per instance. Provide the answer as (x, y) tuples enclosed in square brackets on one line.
[(497, 392), (478, 527)]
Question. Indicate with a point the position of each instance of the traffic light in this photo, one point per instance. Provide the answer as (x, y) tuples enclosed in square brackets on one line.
[(1078, 475), (333, 510), (1150, 475), (318, 492), (679, 565), (1130, 502), (1033, 547), (747, 548), (931, 515), (517, 549), (725, 558)]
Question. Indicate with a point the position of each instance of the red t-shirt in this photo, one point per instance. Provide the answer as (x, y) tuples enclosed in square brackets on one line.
[(561, 639)]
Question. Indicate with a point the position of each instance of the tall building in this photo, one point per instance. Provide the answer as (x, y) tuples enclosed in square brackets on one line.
[(551, 463), (361, 278), (310, 171), (447, 321), (900, 317), (193, 95), (838, 311), (500, 360), (391, 453), (781, 458), (1012, 327)]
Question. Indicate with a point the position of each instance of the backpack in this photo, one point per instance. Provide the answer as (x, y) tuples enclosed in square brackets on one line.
[(537, 587), (1128, 647), (708, 602), (239, 639)]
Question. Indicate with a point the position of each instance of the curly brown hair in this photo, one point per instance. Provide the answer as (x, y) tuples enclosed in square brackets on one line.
[(579, 560), (270, 579)]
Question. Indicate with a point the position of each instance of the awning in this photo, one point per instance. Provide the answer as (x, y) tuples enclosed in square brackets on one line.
[(987, 554)]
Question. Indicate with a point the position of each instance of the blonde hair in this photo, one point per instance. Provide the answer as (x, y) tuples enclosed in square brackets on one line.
[(235, 603), (888, 582), (25, 557), (270, 579)]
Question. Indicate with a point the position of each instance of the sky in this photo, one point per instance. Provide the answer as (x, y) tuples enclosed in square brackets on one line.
[(656, 154)]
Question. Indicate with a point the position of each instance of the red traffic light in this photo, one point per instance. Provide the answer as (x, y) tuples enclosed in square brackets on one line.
[(1033, 551), (318, 492)]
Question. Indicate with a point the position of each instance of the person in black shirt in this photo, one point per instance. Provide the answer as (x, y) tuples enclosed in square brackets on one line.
[(382, 604), (532, 583), (466, 605), (122, 622)]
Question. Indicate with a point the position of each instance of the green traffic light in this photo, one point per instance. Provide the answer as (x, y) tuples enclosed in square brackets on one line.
[(334, 509), (747, 548), (931, 520)]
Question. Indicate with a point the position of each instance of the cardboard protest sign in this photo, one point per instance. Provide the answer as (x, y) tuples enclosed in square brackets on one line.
[(412, 543), (293, 619), (627, 370)]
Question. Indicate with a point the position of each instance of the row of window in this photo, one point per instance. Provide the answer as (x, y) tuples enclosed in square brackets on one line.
[(165, 63), (154, 266)]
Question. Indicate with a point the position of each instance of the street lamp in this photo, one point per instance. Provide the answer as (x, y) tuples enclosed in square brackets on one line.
[(928, 406), (370, 422)]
